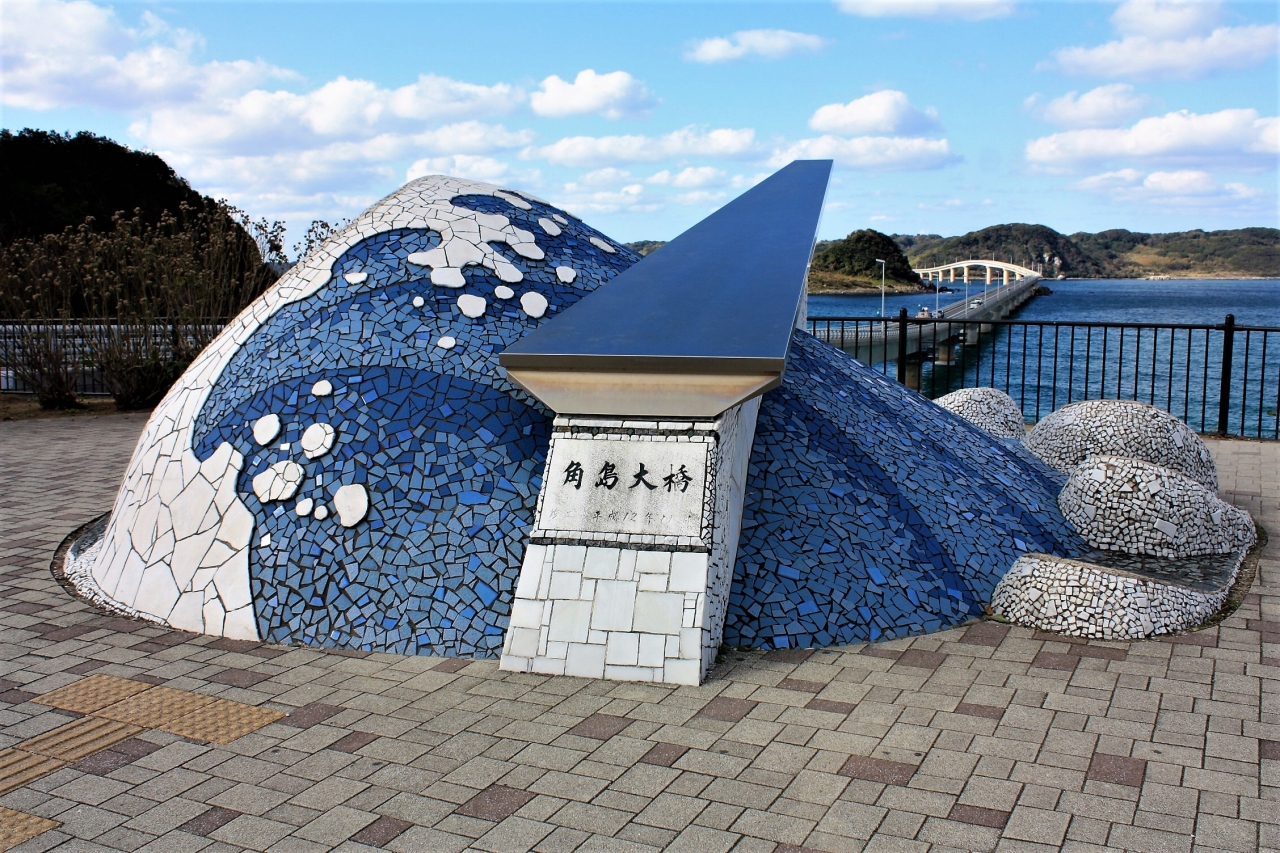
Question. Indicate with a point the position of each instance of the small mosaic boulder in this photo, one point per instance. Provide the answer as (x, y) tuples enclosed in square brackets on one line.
[(991, 411), (1086, 600), (1135, 507), (1121, 428)]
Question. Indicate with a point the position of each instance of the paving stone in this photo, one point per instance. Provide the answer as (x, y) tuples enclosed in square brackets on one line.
[(495, 803), (1168, 727)]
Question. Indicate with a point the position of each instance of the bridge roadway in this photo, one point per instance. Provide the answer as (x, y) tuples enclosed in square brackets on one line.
[(957, 323)]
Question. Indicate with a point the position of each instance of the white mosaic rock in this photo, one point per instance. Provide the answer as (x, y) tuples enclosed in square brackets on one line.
[(418, 302), (1086, 600), (321, 512), (200, 582), (566, 274), (549, 226), (515, 200), (1135, 507), (558, 218), (356, 277), (304, 507), (352, 504), (317, 440), (534, 304), (279, 482), (990, 410), (447, 342), (602, 245), (1121, 428), (472, 306), (266, 428), (323, 388), (503, 292)]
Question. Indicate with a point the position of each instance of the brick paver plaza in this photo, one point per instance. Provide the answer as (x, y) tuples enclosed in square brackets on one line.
[(979, 738)]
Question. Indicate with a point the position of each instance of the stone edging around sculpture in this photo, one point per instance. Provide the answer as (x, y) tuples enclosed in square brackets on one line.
[(1083, 599), (72, 563)]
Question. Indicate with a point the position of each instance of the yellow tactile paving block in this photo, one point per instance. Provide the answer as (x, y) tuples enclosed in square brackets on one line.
[(221, 721), (92, 694), (18, 768), (154, 708), (17, 827), (80, 738)]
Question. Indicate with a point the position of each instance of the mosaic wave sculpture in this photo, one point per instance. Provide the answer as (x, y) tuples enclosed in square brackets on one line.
[(347, 464)]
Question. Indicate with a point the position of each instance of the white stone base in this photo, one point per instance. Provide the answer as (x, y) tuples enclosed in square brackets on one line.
[(649, 605)]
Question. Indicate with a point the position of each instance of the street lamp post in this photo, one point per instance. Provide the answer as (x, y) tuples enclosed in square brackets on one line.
[(881, 263)]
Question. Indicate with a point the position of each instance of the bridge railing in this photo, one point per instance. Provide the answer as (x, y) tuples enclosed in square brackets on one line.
[(1221, 378)]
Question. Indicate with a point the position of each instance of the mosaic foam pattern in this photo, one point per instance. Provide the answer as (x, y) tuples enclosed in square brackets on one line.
[(871, 513), (356, 422)]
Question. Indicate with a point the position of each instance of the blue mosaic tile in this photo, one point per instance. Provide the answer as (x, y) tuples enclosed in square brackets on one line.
[(871, 513)]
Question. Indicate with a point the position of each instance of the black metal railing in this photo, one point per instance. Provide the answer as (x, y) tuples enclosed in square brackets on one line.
[(1220, 378), (80, 343)]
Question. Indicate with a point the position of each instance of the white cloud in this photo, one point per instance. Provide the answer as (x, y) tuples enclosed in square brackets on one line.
[(611, 95), (1236, 135), (1105, 106), (701, 197), (340, 109), (870, 152), (692, 176), (972, 10), (1165, 19), (1184, 187), (589, 151), (475, 167), (1161, 39), (471, 137), (884, 112), (69, 54), (767, 44), (583, 199), (607, 177)]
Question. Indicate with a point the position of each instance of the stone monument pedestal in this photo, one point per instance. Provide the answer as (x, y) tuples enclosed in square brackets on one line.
[(628, 569)]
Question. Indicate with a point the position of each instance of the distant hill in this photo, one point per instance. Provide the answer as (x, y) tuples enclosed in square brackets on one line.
[(851, 264), (1027, 245), (1244, 252), (1241, 252), (645, 247), (49, 181)]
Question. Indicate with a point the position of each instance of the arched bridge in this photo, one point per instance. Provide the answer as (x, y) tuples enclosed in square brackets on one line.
[(935, 337), (1005, 270)]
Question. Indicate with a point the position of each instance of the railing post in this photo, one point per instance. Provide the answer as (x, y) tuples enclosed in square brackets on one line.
[(1224, 393), (902, 346)]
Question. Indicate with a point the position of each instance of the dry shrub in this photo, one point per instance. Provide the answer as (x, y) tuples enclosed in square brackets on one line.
[(134, 301)]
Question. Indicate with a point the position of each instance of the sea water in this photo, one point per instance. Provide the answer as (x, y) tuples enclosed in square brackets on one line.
[(1254, 302), (1044, 367)]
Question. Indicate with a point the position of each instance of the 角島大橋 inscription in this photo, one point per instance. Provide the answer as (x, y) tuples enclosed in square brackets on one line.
[(645, 486)]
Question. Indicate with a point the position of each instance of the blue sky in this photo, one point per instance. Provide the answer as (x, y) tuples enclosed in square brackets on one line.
[(943, 116)]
